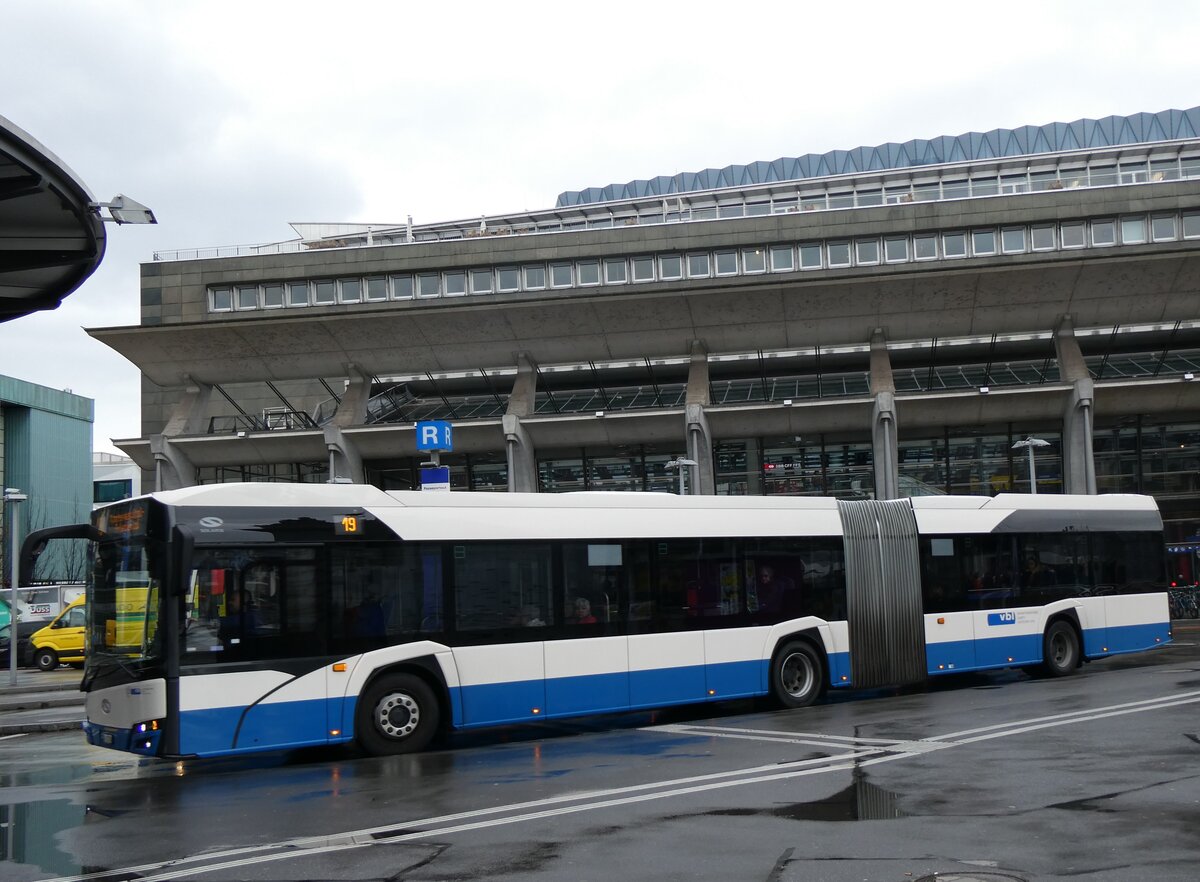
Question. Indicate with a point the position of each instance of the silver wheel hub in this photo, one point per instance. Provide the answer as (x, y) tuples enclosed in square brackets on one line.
[(1060, 649), (796, 674), (397, 715)]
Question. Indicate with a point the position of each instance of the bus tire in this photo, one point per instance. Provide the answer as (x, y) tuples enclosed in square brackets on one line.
[(46, 659), (398, 714), (797, 674), (1060, 650)]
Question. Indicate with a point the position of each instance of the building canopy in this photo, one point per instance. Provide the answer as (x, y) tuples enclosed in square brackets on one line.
[(51, 236)]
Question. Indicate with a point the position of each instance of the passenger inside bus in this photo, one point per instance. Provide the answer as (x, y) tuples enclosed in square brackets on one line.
[(238, 621), (775, 592), (582, 612), (370, 618), (529, 616)]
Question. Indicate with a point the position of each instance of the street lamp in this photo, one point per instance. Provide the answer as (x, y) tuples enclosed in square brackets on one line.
[(1031, 443), (123, 210), (12, 498), (681, 464)]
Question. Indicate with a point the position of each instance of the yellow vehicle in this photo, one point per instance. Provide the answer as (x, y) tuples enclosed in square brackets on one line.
[(62, 640)]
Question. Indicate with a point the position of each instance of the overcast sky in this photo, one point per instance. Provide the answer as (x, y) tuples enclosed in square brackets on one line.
[(231, 120)]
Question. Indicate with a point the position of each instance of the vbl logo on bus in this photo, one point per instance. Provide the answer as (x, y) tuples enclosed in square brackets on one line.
[(1002, 618)]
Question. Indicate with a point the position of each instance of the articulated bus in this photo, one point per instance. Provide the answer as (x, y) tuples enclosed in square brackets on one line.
[(231, 618)]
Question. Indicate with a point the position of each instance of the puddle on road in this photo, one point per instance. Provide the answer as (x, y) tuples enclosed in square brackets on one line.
[(861, 801), (31, 831)]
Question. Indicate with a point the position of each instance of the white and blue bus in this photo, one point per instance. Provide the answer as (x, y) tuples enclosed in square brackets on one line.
[(231, 618)]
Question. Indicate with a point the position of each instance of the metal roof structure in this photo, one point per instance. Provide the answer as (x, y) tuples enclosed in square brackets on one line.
[(51, 233), (1082, 134)]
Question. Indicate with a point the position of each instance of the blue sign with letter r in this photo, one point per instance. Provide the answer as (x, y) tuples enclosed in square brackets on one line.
[(435, 435)]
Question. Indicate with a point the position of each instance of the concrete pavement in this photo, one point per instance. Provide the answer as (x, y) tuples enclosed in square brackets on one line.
[(41, 701)]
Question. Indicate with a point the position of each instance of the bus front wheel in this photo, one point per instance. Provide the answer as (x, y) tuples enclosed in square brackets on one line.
[(46, 659), (397, 714), (1060, 650), (797, 675)]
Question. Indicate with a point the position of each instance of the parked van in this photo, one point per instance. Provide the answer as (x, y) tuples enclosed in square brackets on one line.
[(62, 640), (37, 606), (44, 602)]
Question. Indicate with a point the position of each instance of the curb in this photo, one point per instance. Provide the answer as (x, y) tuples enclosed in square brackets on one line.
[(48, 726), (24, 704), (51, 685)]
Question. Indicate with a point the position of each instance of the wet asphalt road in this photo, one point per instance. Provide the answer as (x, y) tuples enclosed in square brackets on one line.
[(995, 777)]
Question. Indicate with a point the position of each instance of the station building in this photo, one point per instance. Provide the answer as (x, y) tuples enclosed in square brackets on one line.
[(877, 322), (45, 449)]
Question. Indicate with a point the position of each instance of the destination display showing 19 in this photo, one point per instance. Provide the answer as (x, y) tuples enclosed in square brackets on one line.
[(348, 525)]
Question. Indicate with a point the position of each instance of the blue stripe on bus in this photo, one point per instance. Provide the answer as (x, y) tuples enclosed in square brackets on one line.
[(490, 704), (282, 725), (1026, 649), (288, 724), (665, 686), (591, 693), (1000, 652), (1135, 638), (737, 679), (499, 703), (839, 670), (953, 655)]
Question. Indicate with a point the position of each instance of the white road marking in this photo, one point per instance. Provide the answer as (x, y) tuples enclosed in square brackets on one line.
[(1183, 697), (447, 825), (816, 736), (816, 740)]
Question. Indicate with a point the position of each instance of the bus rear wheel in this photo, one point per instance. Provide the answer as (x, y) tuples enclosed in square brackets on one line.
[(46, 659), (1060, 650), (397, 714), (797, 675)]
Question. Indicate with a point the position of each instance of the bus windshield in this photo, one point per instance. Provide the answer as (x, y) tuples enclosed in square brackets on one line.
[(123, 602)]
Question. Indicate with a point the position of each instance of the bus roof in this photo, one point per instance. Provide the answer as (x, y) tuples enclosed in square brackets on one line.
[(447, 515)]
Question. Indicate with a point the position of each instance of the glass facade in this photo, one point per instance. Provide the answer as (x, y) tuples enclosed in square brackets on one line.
[(640, 468), (821, 466), (982, 463)]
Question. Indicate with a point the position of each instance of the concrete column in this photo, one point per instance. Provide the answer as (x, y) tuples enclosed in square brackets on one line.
[(352, 410), (522, 458), (190, 414), (885, 450), (345, 462), (1078, 456), (885, 441), (522, 402), (172, 468), (699, 436), (699, 448)]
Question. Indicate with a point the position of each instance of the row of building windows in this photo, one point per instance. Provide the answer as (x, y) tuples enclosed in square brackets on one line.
[(783, 258)]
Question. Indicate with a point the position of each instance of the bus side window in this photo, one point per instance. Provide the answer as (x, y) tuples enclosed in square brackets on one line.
[(591, 583), (494, 583)]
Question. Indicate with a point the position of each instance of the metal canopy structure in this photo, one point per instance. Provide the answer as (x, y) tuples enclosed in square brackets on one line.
[(51, 235), (1082, 134)]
